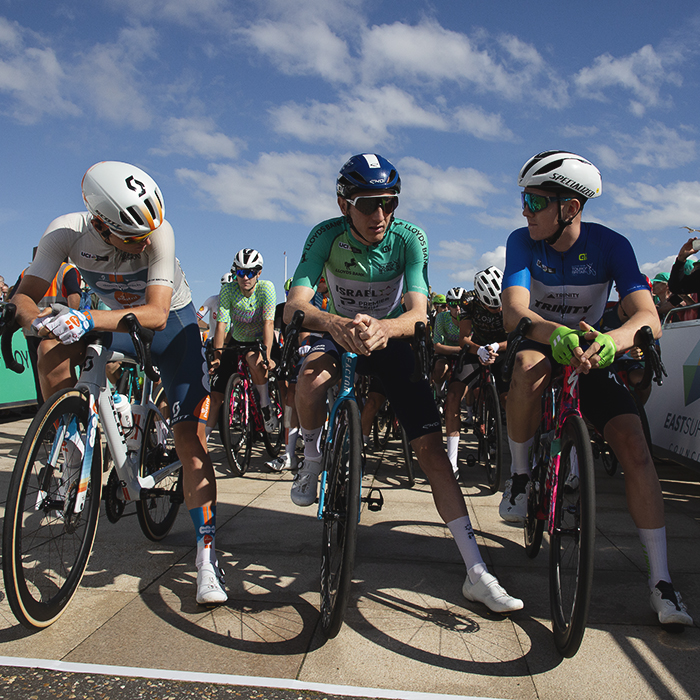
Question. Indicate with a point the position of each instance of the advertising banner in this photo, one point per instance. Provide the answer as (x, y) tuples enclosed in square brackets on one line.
[(17, 389), (673, 409)]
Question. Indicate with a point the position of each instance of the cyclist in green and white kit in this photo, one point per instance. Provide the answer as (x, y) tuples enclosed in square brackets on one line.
[(369, 260)]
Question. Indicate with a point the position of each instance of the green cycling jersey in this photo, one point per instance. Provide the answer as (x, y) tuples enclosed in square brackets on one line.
[(361, 278)]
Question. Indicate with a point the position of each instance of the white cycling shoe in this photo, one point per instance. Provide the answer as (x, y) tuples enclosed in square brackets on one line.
[(513, 506), (488, 591), (305, 486), (210, 585), (667, 604), (281, 463), (270, 419)]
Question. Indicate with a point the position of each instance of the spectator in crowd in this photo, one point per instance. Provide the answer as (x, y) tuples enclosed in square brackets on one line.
[(3, 289)]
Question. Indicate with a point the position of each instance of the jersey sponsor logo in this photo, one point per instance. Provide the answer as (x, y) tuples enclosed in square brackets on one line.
[(546, 268), (573, 185), (125, 298), (92, 256), (583, 257), (562, 308), (587, 269), (563, 295), (388, 267), (133, 285), (354, 293), (350, 263), (347, 246)]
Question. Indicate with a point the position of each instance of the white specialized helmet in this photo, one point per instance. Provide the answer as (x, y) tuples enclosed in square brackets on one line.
[(124, 197), (247, 259), (487, 286), (455, 294), (562, 170), (227, 278)]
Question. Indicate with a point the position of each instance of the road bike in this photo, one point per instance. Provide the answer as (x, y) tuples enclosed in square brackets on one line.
[(241, 418), (487, 422), (55, 489)]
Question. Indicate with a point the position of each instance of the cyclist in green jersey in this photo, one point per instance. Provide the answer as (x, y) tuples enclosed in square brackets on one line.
[(370, 260), (247, 309)]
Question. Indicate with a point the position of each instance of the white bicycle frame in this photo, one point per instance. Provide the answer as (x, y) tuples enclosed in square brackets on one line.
[(102, 410)]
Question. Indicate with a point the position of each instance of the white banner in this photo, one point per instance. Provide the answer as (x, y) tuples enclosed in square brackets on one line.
[(673, 409)]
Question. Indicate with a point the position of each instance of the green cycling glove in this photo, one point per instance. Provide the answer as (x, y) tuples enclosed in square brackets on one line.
[(563, 341), (607, 349)]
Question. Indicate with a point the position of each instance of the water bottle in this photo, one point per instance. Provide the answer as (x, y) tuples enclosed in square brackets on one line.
[(121, 403)]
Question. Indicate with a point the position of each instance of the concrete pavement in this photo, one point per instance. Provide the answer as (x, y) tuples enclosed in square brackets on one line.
[(408, 628)]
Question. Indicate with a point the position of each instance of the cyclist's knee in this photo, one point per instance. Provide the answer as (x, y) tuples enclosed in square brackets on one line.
[(625, 435), (531, 372)]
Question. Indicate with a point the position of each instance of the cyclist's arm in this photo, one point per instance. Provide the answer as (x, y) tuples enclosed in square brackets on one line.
[(218, 343), (269, 340), (465, 336), (516, 305), (441, 348), (376, 333)]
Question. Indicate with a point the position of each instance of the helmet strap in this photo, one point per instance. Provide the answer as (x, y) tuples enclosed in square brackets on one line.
[(562, 226)]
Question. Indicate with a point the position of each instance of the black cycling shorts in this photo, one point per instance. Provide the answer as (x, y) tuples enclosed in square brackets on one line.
[(413, 402)]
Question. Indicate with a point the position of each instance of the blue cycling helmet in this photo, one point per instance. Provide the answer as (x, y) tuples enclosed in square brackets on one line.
[(367, 171)]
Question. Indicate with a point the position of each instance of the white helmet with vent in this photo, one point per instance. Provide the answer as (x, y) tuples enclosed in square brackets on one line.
[(487, 286)]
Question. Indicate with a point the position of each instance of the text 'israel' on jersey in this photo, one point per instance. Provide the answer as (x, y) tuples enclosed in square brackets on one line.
[(573, 285), (361, 278)]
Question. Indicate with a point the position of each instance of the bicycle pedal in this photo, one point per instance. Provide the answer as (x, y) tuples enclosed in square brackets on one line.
[(373, 502)]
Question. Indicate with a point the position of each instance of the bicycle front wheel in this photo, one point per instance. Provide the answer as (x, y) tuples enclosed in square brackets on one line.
[(572, 538), (236, 434), (157, 509), (341, 513), (273, 441), (46, 545), (493, 437)]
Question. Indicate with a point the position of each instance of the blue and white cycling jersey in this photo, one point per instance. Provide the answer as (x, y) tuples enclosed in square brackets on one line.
[(574, 285)]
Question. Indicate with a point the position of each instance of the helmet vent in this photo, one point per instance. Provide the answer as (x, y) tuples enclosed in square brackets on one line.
[(149, 206), (136, 216)]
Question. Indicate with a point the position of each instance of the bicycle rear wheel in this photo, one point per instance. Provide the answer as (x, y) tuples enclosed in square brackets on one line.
[(408, 457), (382, 424), (273, 441), (492, 438), (46, 546), (341, 513), (236, 430), (572, 539), (533, 527), (158, 510)]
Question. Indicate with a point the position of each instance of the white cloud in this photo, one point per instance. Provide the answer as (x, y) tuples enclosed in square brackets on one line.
[(578, 130), (278, 187), (32, 77), (641, 73), (656, 146), (482, 125), (652, 269), (215, 13), (657, 207), (462, 263), (197, 137)]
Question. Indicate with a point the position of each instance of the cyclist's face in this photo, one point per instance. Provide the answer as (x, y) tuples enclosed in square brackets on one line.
[(372, 227), (246, 285), (544, 223), (134, 248)]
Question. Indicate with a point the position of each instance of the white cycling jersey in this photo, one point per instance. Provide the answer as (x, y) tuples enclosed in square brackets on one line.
[(119, 279), (211, 307)]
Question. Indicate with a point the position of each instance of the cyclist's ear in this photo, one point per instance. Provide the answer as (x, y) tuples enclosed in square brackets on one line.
[(343, 204)]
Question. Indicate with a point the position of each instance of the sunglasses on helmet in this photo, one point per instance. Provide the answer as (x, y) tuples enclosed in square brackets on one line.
[(538, 202), (248, 274), (368, 205)]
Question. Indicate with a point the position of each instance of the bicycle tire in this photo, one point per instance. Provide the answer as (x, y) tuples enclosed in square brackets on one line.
[(236, 429), (408, 458), (273, 441), (157, 512), (492, 437), (382, 424), (341, 513), (45, 554), (533, 527), (572, 541)]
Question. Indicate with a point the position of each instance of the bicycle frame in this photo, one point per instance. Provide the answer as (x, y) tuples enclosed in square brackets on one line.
[(348, 362), (93, 382)]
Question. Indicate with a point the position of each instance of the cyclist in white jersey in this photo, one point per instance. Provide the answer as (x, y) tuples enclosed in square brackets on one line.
[(559, 273), (372, 263), (125, 251)]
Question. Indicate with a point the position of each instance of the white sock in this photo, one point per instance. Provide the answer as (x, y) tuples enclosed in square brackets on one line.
[(464, 537), (264, 394), (312, 438), (207, 432), (520, 456), (292, 442), (654, 548), (452, 450)]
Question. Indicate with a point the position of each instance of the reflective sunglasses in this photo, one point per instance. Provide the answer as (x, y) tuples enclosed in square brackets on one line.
[(368, 205), (538, 202), (452, 304), (133, 239), (248, 274)]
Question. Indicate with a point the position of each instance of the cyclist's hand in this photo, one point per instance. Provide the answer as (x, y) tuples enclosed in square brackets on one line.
[(344, 332), (564, 342), (601, 352), (68, 326), (488, 353), (271, 364), (371, 332)]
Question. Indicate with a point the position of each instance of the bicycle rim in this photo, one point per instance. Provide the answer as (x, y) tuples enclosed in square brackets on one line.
[(340, 516), (493, 437), (235, 429), (273, 441), (533, 527), (45, 552), (157, 512), (572, 539)]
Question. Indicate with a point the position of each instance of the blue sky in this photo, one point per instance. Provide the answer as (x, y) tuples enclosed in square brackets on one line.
[(244, 111)]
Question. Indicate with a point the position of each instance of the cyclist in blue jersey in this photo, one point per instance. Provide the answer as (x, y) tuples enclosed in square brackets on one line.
[(559, 272), (125, 251), (376, 270)]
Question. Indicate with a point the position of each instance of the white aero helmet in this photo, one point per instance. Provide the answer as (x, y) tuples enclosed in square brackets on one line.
[(455, 294), (123, 196), (487, 286), (247, 259), (562, 170)]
